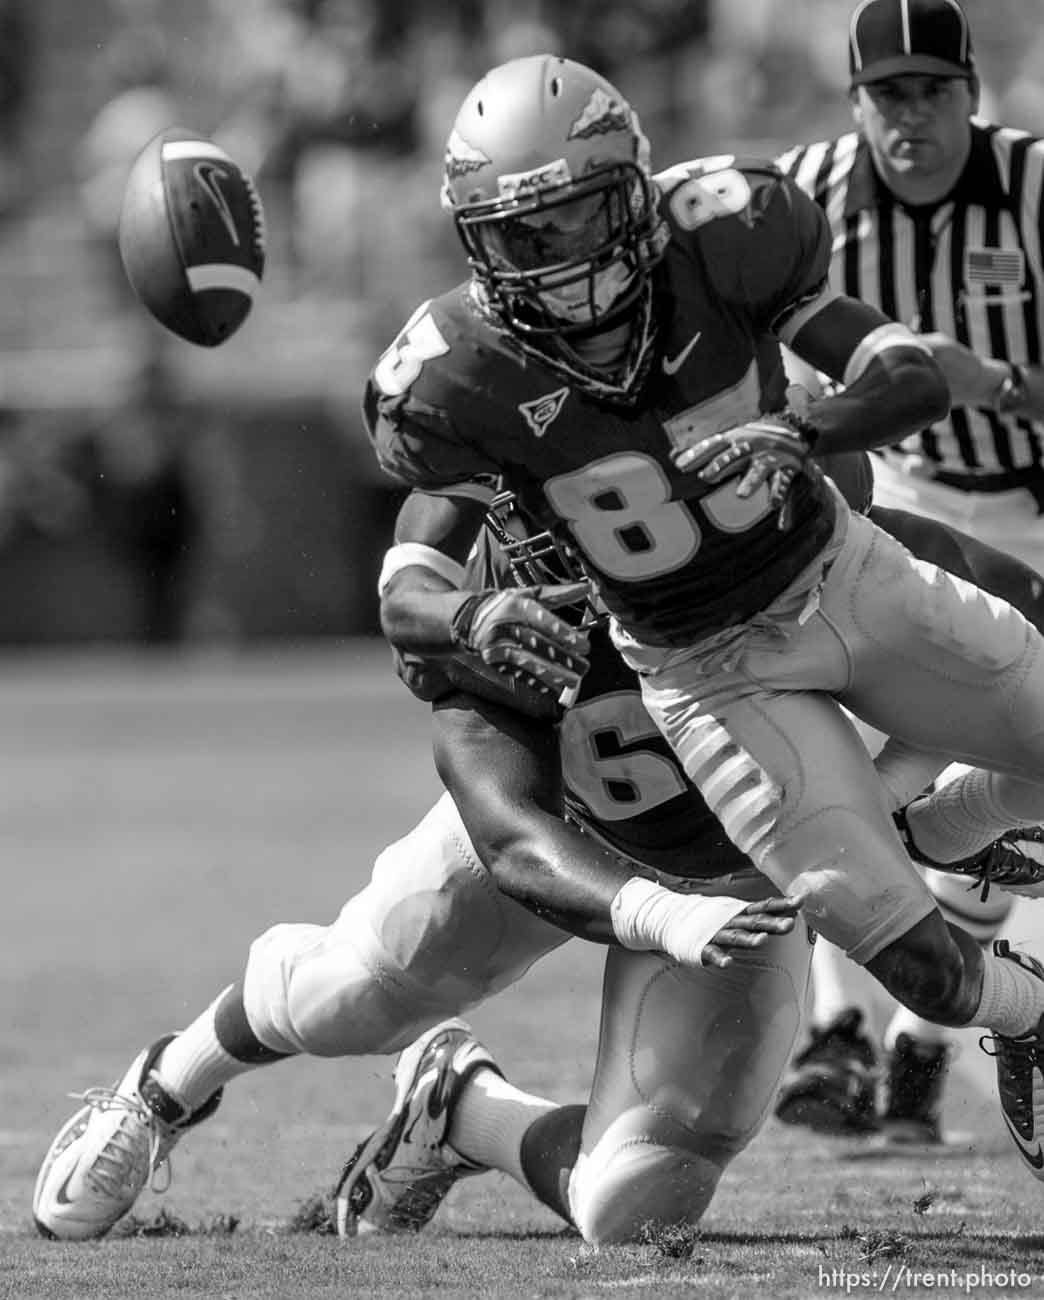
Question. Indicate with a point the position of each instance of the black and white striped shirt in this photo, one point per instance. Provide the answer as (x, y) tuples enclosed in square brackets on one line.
[(971, 268)]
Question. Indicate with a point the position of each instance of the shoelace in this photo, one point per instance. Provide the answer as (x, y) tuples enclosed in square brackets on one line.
[(1002, 863), (418, 1191), (118, 1160), (1015, 1058)]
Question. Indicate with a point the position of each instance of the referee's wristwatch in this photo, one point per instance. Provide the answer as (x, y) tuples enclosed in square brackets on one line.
[(1012, 394)]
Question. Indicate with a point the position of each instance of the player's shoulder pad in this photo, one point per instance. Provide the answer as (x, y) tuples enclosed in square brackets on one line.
[(749, 223), (419, 387), (438, 354)]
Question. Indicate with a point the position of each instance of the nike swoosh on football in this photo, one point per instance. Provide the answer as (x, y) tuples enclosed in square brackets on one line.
[(60, 1195), (671, 365), (1033, 1156), (208, 176)]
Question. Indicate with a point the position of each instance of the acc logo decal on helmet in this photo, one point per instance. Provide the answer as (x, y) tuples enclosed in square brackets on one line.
[(600, 115), (514, 185), (542, 410), (461, 157)]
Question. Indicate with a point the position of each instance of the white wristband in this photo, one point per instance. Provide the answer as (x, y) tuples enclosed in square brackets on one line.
[(647, 917)]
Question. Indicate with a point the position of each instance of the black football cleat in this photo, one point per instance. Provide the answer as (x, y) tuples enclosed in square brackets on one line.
[(1020, 1075), (913, 1091), (831, 1087), (1010, 862)]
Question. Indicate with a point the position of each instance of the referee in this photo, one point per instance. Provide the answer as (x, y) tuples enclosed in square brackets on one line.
[(936, 219)]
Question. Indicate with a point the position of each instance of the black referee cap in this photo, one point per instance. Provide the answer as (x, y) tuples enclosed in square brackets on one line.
[(887, 38)]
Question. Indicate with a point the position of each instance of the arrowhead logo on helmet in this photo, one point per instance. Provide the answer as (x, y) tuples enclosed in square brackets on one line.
[(600, 115), (461, 157)]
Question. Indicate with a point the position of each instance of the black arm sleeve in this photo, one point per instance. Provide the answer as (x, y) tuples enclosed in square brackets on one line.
[(503, 772)]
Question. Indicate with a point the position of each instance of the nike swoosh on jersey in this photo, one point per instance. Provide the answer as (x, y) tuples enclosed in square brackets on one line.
[(1033, 1156), (671, 365)]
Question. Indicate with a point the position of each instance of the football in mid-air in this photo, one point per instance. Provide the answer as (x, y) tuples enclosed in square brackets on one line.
[(192, 236)]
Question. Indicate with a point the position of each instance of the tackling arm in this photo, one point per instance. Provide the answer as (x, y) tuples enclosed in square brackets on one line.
[(893, 386), (427, 611), (423, 575), (503, 772)]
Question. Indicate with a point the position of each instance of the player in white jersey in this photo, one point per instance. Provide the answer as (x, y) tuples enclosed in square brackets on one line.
[(935, 219)]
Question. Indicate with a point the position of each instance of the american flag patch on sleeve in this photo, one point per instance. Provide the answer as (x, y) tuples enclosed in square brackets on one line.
[(1001, 266)]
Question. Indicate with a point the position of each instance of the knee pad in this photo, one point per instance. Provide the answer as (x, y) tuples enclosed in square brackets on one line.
[(319, 990), (428, 937), (615, 1196)]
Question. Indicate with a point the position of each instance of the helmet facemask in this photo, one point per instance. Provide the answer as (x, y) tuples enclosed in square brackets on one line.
[(536, 557), (566, 259)]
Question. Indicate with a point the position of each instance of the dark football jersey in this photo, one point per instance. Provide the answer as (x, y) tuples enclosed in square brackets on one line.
[(622, 783), (456, 397)]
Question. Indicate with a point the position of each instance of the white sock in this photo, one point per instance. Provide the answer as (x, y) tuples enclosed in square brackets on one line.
[(490, 1120), (194, 1065), (1012, 1000), (971, 812)]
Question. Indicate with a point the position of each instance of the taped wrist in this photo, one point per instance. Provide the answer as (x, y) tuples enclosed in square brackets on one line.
[(646, 917)]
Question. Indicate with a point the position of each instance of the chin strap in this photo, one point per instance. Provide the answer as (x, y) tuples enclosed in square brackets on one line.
[(620, 386)]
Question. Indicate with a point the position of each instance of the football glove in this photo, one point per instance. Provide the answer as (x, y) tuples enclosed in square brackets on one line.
[(516, 633), (435, 679), (772, 450)]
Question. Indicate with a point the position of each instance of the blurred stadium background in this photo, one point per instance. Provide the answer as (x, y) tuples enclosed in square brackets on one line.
[(152, 493)]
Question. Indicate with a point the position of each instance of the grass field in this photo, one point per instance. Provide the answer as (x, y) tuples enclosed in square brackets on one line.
[(155, 815)]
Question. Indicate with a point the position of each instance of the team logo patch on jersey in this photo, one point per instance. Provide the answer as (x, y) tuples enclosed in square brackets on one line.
[(542, 410), (600, 115), (1003, 267), (461, 157)]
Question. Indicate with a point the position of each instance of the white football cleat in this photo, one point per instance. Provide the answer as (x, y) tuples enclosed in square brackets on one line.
[(107, 1152), (398, 1177), (1020, 1076)]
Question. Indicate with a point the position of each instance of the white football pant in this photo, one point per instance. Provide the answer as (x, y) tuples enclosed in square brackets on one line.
[(1010, 522), (755, 716), (688, 1060)]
